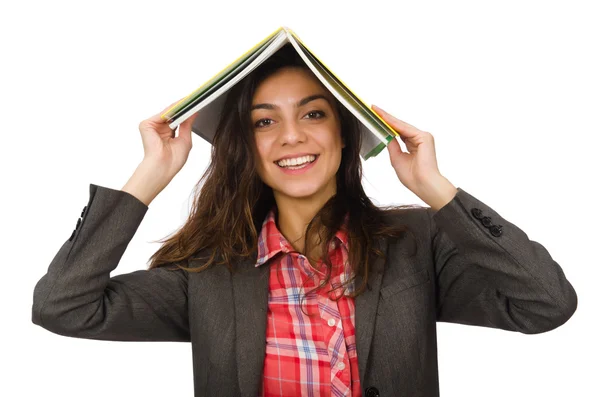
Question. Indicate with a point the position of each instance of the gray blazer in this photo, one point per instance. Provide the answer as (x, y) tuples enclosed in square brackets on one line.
[(472, 267)]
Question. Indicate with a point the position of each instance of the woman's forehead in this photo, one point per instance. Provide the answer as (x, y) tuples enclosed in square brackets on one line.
[(288, 84)]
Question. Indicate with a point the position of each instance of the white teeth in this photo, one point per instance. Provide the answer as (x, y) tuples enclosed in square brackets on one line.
[(296, 161)]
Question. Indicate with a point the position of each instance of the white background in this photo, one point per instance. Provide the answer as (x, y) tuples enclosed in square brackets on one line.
[(510, 91)]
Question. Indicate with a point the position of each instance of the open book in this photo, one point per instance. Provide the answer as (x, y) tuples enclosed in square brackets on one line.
[(210, 97)]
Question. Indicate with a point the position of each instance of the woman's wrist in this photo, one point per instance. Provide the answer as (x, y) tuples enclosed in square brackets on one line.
[(147, 181), (437, 192)]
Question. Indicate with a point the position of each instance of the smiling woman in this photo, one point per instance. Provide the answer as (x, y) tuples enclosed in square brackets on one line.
[(285, 174), (281, 219), (280, 117)]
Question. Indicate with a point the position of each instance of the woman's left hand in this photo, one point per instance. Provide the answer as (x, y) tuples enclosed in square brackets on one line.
[(417, 169)]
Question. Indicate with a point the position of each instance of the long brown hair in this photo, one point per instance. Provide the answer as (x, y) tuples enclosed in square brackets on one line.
[(231, 201)]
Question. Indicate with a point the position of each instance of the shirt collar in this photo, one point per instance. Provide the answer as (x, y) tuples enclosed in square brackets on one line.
[(271, 241)]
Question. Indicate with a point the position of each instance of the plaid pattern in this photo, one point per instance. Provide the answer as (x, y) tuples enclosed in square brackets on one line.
[(308, 356)]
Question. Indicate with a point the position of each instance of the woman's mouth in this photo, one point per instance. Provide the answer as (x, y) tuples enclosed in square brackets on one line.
[(297, 169)]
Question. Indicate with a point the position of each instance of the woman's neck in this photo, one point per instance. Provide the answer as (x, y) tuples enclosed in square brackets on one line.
[(293, 217)]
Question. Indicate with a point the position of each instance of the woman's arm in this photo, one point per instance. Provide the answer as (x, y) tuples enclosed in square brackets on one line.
[(494, 276), (78, 298)]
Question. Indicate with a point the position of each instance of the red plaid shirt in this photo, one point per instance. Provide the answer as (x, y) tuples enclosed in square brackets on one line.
[(308, 356)]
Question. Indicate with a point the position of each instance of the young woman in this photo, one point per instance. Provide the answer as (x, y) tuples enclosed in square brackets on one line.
[(286, 278)]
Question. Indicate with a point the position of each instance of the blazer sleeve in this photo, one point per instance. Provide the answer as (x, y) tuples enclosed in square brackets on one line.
[(78, 298), (489, 273)]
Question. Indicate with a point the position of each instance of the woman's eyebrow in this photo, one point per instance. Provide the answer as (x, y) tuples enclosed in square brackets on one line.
[(301, 102)]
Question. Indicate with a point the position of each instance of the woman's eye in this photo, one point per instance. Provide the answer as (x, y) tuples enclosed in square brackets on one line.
[(257, 124), (320, 113), (317, 112)]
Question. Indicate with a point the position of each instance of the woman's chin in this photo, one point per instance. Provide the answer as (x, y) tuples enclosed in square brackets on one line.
[(299, 192)]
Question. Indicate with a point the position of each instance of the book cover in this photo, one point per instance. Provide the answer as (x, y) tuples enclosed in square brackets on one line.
[(208, 99)]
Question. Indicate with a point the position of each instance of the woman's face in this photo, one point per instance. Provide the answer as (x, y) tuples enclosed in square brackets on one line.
[(294, 117)]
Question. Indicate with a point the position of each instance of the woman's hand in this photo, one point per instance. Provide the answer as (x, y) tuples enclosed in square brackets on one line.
[(161, 147), (417, 169), (164, 156)]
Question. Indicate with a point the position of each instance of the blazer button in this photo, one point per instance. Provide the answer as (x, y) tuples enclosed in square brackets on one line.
[(78, 223), (477, 213), (72, 234), (486, 221), (496, 230), (83, 211), (371, 392)]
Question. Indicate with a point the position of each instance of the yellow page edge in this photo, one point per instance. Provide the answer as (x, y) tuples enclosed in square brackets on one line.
[(341, 81), (163, 116)]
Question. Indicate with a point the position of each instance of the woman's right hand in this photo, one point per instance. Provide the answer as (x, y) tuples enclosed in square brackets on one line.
[(161, 147)]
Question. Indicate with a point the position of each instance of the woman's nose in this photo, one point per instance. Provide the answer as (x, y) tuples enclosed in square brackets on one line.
[(292, 133)]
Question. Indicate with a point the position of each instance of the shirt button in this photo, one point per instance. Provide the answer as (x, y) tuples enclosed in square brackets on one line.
[(341, 365), (331, 322), (332, 245)]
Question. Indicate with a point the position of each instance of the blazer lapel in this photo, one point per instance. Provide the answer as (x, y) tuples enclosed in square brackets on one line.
[(250, 294), (366, 309)]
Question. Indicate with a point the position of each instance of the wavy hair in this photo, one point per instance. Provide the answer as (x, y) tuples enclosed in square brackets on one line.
[(231, 201)]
